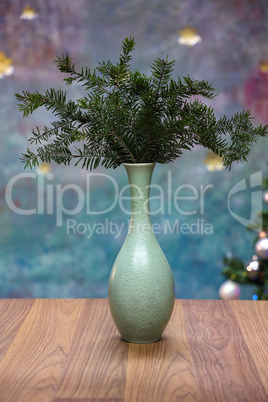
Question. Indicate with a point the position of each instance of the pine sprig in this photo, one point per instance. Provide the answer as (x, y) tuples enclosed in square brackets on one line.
[(127, 117)]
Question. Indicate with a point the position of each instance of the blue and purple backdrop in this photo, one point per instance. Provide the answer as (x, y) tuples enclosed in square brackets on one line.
[(46, 255)]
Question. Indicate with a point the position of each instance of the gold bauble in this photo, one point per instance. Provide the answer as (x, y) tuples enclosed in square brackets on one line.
[(44, 168), (189, 36), (264, 66), (6, 67), (28, 13), (213, 161)]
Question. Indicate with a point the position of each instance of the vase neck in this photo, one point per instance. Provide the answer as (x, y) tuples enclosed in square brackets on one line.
[(139, 176)]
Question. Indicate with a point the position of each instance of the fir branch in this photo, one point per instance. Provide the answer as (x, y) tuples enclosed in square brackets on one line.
[(47, 132), (64, 64), (127, 117), (116, 84), (116, 134)]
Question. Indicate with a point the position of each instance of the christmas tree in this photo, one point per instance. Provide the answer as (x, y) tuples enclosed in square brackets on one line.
[(255, 272)]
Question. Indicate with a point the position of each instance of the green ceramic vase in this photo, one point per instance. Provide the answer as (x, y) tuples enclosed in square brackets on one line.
[(141, 286)]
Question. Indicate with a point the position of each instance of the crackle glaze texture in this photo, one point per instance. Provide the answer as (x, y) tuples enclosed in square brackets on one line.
[(141, 286)]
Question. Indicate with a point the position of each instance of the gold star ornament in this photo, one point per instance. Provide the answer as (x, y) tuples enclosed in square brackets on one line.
[(28, 13), (6, 67), (189, 36), (213, 162)]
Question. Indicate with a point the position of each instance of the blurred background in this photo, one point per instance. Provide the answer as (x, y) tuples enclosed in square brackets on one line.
[(221, 41)]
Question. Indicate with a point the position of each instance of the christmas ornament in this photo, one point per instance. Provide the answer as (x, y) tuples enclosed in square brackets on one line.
[(253, 268), (44, 168), (265, 196), (189, 37), (6, 67), (213, 161), (28, 13), (261, 248), (229, 290), (264, 66)]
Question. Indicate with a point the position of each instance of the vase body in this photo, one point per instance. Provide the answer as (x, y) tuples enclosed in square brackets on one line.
[(141, 287)]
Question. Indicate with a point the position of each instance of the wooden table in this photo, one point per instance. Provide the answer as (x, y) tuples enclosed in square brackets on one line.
[(64, 350)]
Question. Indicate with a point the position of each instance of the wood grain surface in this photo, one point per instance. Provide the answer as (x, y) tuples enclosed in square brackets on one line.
[(62, 350)]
